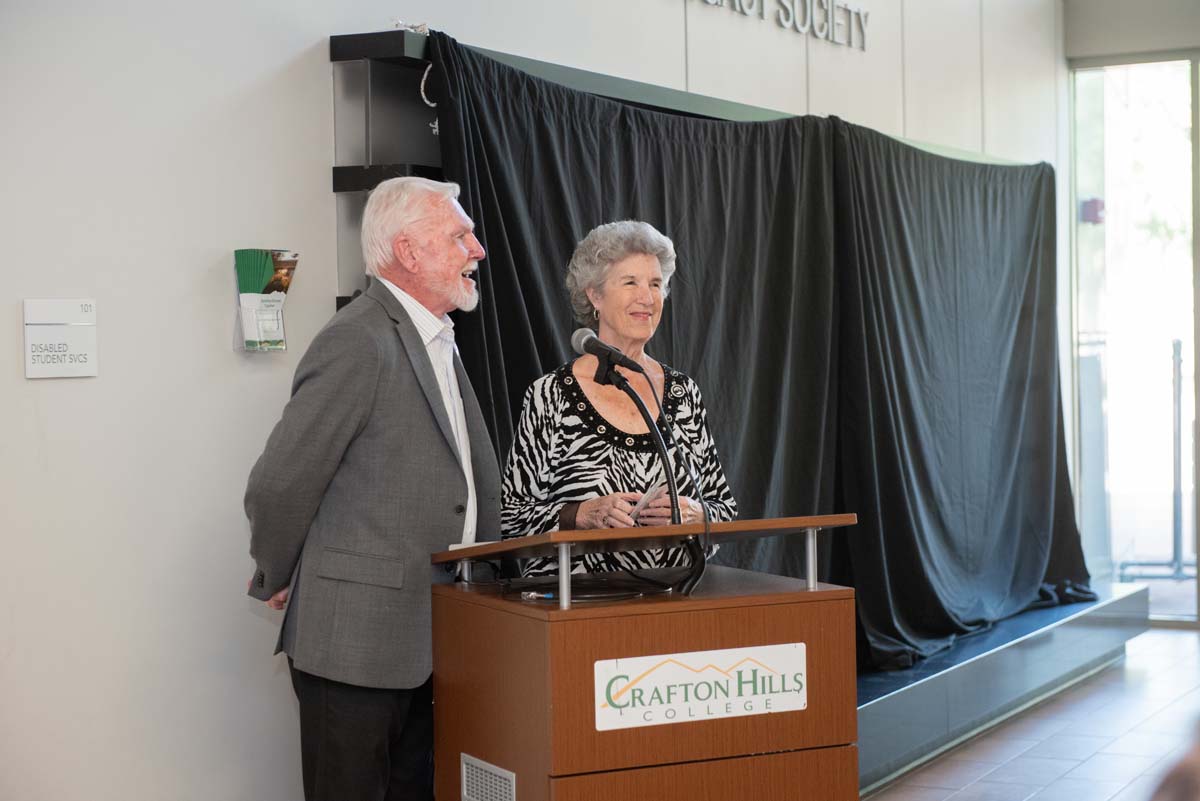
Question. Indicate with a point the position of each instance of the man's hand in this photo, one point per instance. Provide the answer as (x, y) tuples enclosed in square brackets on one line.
[(276, 601), (279, 599)]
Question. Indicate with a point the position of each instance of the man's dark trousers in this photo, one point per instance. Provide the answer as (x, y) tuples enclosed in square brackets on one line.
[(363, 743)]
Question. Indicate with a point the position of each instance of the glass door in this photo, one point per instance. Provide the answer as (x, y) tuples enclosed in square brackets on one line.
[(1135, 324)]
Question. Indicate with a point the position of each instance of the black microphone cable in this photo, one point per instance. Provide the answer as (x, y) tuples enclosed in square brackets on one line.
[(706, 535)]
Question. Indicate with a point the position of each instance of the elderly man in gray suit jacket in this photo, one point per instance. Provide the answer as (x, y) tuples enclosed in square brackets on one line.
[(380, 458)]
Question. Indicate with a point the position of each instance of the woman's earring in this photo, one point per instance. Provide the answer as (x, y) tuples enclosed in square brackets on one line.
[(596, 314)]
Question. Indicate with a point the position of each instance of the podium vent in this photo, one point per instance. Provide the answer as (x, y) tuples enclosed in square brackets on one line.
[(482, 781)]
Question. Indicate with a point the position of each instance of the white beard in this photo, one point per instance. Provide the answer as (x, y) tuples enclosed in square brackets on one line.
[(463, 298), (466, 299)]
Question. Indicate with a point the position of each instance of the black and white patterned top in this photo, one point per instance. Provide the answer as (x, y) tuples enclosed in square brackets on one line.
[(565, 452)]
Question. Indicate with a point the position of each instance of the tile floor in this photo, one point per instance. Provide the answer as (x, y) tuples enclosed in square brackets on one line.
[(1109, 738), (1172, 598)]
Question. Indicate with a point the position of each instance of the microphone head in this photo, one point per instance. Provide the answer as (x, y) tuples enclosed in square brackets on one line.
[(580, 339)]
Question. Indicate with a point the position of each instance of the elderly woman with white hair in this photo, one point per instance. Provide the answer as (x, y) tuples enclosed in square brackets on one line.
[(582, 456)]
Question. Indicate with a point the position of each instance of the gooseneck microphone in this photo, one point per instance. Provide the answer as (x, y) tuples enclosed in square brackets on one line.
[(585, 340)]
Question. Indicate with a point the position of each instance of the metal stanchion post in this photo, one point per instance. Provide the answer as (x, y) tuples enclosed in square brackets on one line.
[(564, 575), (810, 554)]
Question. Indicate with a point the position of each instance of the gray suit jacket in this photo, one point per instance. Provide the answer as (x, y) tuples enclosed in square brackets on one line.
[(359, 482)]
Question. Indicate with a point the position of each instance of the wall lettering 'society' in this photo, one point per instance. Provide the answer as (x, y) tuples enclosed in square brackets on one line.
[(830, 20)]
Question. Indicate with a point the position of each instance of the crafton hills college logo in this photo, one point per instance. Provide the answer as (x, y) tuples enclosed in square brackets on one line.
[(701, 685)]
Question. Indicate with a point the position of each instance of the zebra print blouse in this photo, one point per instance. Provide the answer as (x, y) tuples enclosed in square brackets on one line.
[(564, 452)]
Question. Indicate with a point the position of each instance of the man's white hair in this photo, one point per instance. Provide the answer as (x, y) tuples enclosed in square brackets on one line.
[(394, 206)]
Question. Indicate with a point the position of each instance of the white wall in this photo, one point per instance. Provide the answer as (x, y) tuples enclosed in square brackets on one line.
[(978, 76), (1099, 28), (746, 59), (943, 72), (144, 141), (1019, 79), (1066, 276)]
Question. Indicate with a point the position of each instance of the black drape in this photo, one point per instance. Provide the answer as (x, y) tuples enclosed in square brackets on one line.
[(949, 391), (872, 327), (541, 165)]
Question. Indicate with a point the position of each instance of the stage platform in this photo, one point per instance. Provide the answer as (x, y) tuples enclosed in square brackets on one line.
[(907, 716)]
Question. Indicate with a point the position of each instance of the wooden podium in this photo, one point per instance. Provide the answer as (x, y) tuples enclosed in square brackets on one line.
[(518, 699)]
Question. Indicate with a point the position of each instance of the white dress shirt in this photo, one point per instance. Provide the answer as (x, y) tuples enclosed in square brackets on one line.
[(438, 337)]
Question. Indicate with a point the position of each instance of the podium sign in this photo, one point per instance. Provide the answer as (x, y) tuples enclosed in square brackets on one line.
[(702, 685)]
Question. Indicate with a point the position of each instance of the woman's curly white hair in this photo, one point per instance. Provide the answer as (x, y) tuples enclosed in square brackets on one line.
[(604, 246)]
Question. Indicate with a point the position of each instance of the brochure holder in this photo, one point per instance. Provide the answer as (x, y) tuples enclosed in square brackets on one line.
[(262, 277)]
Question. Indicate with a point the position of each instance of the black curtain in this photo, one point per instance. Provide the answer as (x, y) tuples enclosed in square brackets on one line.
[(951, 442), (872, 328)]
